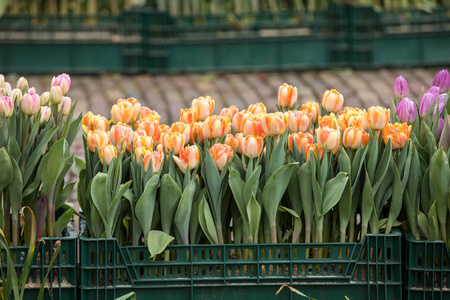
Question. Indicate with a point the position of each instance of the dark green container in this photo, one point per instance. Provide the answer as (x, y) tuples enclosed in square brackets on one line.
[(368, 270), (62, 281), (426, 269)]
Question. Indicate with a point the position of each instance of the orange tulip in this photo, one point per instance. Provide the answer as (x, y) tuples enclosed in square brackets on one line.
[(121, 135), (352, 117), (222, 154), (350, 110), (239, 137), (329, 121), (328, 138), (93, 122), (203, 107), (125, 111), (182, 128), (97, 139), (300, 120), (173, 142), (142, 141), (313, 108), (398, 133), (160, 130), (231, 141), (145, 112), (140, 152), (332, 101), (274, 124), (238, 120), (377, 117), (229, 112), (287, 95), (107, 153), (157, 159), (188, 116), (197, 132), (257, 108), (354, 136), (301, 140), (315, 149), (215, 127), (188, 157), (252, 125), (252, 145), (149, 124)]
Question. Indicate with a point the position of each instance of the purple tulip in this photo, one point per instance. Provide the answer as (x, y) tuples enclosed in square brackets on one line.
[(425, 103), (440, 101), (442, 80), (441, 126), (400, 87), (433, 90), (407, 110)]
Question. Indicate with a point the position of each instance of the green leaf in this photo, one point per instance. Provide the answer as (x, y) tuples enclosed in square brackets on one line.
[(15, 188), (206, 222), (439, 183), (373, 158), (183, 213), (288, 210), (146, 204), (396, 202), (251, 186), (305, 184), (382, 166), (14, 149), (367, 204), (170, 195), (62, 222), (332, 192), (213, 181), (237, 186), (157, 242), (131, 296), (33, 160), (7, 169), (79, 165), (64, 195), (53, 164), (254, 217), (74, 127), (423, 225), (277, 156), (98, 194)]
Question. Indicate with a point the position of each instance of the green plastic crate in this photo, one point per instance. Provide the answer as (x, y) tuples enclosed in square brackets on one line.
[(426, 269), (369, 270), (62, 281)]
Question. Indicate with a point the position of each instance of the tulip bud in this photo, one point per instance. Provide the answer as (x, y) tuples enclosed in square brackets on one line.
[(329, 121), (182, 128), (173, 142), (145, 111), (315, 149), (107, 153), (274, 124), (425, 103), (377, 117), (407, 110), (6, 106), (441, 126), (231, 141), (157, 159), (353, 137), (196, 132), (400, 87), (252, 145), (46, 113), (301, 140), (142, 141), (2, 80), (93, 122), (351, 116), (16, 96), (434, 90), (6, 89), (97, 139), (160, 130), (56, 95), (188, 157), (125, 111), (188, 116), (398, 133), (442, 80), (257, 108), (313, 108), (149, 124), (222, 154), (332, 101), (215, 127), (328, 138), (65, 105), (203, 107), (287, 95), (45, 98), (238, 120), (229, 112), (300, 120), (31, 104), (63, 81), (22, 84), (251, 125), (121, 135)]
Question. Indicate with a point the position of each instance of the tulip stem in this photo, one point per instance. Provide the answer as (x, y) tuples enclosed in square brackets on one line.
[(7, 214), (15, 229), (26, 132)]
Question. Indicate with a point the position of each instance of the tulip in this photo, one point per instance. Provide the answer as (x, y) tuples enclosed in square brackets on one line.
[(406, 110), (65, 106), (287, 95), (32, 89), (46, 113), (22, 84), (252, 125), (93, 122), (229, 112), (398, 133), (332, 101), (301, 140), (56, 95), (2, 80), (16, 96), (442, 81), (142, 141), (231, 141), (300, 120), (63, 81), (215, 127), (31, 104), (149, 124), (441, 126), (196, 132), (315, 149), (400, 87), (172, 142), (182, 128), (85, 121), (157, 159), (425, 103), (97, 139), (188, 116), (313, 108), (222, 154), (107, 153), (434, 90), (239, 137), (125, 111), (6, 106), (252, 145), (440, 102), (140, 152), (121, 135), (352, 118), (6, 89), (329, 121), (257, 108), (145, 111), (160, 130), (354, 136), (238, 120), (45, 98), (328, 138), (188, 157), (377, 117), (274, 124), (203, 107)]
